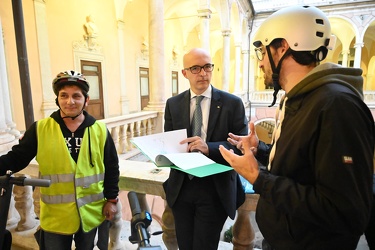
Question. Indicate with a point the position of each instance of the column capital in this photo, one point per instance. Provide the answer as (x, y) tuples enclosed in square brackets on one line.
[(359, 45), (226, 32), (120, 24), (345, 52), (204, 13)]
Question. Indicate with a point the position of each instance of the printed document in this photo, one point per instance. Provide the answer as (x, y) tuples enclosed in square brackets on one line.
[(165, 150)]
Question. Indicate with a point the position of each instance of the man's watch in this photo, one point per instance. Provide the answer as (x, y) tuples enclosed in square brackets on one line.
[(114, 201)]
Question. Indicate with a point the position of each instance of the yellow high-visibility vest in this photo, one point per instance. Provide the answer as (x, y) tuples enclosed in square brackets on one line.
[(75, 196)]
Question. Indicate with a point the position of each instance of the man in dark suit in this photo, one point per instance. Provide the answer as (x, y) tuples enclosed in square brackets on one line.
[(201, 206)]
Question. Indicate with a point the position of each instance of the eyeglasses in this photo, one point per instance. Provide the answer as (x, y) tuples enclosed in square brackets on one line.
[(197, 69), (259, 53)]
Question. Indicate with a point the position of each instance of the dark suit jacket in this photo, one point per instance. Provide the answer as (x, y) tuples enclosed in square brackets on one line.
[(227, 114)]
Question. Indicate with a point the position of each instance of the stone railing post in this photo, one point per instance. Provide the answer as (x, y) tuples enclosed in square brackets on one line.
[(169, 233), (115, 230), (23, 197), (243, 232), (124, 128)]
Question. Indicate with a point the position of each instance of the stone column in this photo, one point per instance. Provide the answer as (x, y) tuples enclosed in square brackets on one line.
[(124, 99), (245, 71), (357, 54), (226, 60), (253, 80), (345, 54), (8, 132), (157, 62), (254, 72), (237, 69), (205, 15), (48, 105)]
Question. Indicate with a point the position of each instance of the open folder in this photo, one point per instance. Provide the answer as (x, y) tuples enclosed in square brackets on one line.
[(165, 150)]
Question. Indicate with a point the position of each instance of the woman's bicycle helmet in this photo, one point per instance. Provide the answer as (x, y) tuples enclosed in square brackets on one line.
[(70, 77)]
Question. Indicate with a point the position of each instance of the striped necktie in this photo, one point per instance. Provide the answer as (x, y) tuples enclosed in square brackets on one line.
[(196, 124)]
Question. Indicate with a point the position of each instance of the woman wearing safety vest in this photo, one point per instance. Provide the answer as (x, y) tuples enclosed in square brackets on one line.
[(78, 155)]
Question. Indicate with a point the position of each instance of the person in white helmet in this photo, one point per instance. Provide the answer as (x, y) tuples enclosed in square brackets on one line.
[(316, 187), (78, 155)]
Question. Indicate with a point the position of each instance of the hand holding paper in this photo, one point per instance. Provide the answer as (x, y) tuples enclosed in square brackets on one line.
[(165, 150)]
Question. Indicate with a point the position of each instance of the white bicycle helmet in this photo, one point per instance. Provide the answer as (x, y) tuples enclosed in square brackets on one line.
[(305, 28), (70, 77)]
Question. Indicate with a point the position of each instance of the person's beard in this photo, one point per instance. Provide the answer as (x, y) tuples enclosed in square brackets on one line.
[(268, 82)]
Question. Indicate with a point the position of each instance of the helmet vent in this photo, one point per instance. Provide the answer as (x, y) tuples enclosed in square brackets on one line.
[(319, 34), (319, 21)]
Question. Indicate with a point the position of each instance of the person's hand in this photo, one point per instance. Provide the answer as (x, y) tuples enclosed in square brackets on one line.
[(110, 210), (196, 144), (246, 164), (236, 140)]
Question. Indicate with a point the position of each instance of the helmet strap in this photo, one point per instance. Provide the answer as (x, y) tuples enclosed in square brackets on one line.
[(320, 54), (276, 72), (72, 117)]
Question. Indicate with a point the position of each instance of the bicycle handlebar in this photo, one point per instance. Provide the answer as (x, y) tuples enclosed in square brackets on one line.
[(134, 203), (36, 182), (23, 181), (6, 183)]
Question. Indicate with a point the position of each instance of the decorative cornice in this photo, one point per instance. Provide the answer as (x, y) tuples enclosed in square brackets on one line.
[(204, 13), (226, 32), (84, 46)]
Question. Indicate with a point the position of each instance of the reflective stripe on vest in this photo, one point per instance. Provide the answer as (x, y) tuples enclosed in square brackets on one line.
[(57, 199), (80, 182), (76, 191), (89, 199)]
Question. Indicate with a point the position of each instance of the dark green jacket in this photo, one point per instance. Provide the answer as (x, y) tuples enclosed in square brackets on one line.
[(318, 192)]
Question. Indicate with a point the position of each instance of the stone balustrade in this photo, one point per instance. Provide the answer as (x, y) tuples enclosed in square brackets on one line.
[(124, 128), (369, 98), (265, 97)]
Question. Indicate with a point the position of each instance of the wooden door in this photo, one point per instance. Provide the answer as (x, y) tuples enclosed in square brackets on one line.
[(93, 73), (145, 87)]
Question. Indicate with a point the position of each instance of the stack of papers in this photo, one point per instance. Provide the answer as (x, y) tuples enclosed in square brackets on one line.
[(165, 150)]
